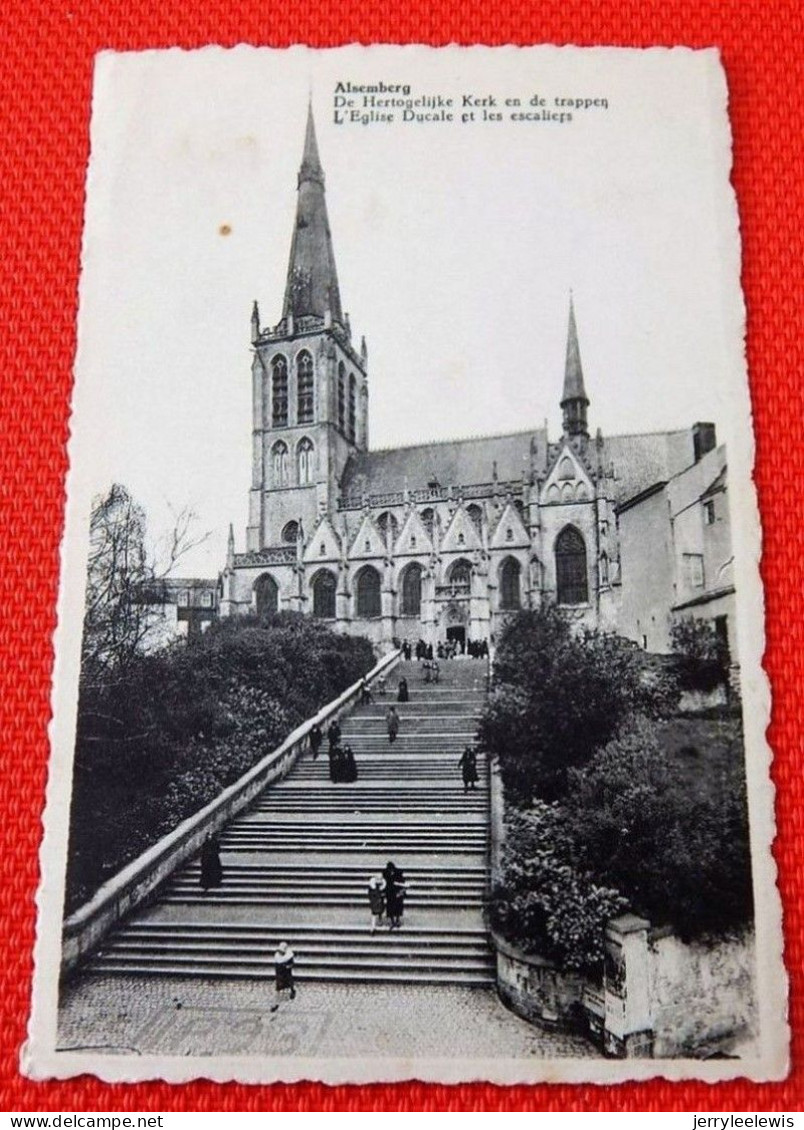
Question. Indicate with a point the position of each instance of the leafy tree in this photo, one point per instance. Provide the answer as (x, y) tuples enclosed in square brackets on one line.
[(682, 858), (702, 657), (559, 695)]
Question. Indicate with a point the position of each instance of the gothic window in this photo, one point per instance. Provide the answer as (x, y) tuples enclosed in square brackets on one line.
[(428, 520), (341, 395), (368, 593), (412, 590), (567, 493), (279, 454), (509, 584), (279, 382), (566, 468), (386, 522), (553, 494), (352, 406), (476, 515), (304, 388), (581, 492), (266, 592), (290, 534), (572, 583), (461, 574), (324, 595), (305, 456), (509, 534)]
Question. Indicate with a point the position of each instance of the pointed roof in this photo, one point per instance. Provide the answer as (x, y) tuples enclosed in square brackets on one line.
[(312, 283), (573, 372)]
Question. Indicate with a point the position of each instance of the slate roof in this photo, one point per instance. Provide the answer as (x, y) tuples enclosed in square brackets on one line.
[(642, 460), (461, 462)]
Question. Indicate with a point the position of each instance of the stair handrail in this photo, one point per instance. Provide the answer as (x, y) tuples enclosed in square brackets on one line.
[(85, 928)]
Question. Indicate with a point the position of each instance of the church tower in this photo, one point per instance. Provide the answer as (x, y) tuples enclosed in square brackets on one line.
[(574, 400), (310, 389)]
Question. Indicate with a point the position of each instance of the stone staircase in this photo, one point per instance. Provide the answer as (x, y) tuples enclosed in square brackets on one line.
[(296, 866)]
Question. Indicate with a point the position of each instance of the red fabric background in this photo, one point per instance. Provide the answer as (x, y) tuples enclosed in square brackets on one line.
[(45, 83)]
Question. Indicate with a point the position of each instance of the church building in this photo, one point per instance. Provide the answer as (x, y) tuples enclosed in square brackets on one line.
[(436, 541)]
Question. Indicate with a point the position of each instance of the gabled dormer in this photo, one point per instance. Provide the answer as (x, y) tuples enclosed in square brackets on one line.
[(461, 534), (509, 532), (413, 537), (368, 542), (324, 545)]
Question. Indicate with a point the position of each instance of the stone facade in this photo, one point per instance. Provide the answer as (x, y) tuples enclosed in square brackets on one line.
[(434, 541)]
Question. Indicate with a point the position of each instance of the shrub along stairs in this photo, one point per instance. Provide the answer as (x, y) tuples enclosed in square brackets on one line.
[(296, 866)]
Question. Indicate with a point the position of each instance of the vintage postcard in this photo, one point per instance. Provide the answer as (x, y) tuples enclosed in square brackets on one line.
[(409, 717)]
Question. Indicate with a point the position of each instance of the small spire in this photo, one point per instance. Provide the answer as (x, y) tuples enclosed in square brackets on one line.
[(311, 162), (230, 548), (255, 321), (574, 400)]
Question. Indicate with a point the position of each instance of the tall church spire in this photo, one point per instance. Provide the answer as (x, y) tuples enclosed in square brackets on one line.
[(574, 400), (312, 284)]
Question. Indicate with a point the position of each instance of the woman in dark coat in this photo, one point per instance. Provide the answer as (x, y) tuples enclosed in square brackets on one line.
[(337, 764), (211, 869), (316, 738), (334, 734), (404, 695), (394, 894), (349, 765), (392, 724), (468, 766)]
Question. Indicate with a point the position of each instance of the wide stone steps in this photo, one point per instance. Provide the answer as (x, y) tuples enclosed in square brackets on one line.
[(428, 839), (283, 882), (323, 953)]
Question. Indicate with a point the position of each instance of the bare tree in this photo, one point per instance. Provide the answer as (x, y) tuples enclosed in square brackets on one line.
[(125, 582)]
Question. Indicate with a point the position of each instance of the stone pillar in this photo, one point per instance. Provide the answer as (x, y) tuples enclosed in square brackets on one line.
[(628, 1026)]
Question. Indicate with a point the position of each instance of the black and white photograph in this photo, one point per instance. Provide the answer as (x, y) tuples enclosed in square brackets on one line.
[(408, 715)]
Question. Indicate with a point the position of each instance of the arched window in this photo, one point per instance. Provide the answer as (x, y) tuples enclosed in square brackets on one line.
[(305, 459), (553, 493), (279, 459), (572, 583), (341, 395), (367, 588), (604, 569), (324, 595), (412, 590), (510, 596), (352, 406), (428, 519), (475, 512), (279, 383), (566, 468), (267, 594), (386, 522), (461, 574), (290, 534), (304, 388), (581, 492)]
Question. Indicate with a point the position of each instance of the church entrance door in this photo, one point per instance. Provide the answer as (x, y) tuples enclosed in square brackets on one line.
[(458, 633)]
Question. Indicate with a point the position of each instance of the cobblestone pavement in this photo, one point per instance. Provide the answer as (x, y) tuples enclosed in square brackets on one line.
[(196, 1017)]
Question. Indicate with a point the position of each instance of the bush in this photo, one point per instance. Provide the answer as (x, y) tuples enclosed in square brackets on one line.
[(545, 904), (559, 695), (682, 857), (164, 738)]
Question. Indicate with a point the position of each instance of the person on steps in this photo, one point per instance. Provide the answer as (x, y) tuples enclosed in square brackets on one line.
[(392, 724), (211, 868), (334, 734), (337, 764), (365, 694), (468, 767), (403, 694), (349, 765), (394, 894), (376, 896), (284, 959), (316, 738)]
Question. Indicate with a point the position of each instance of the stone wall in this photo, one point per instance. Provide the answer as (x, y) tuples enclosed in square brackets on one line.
[(702, 996)]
